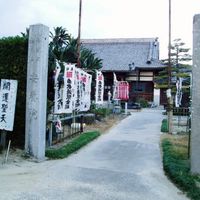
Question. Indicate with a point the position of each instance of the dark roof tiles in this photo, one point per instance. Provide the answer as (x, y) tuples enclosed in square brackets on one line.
[(118, 54)]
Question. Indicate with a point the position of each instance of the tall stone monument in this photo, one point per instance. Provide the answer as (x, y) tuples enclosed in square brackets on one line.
[(195, 123), (36, 97)]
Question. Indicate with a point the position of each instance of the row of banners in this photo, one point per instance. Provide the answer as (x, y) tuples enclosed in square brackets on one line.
[(76, 92)]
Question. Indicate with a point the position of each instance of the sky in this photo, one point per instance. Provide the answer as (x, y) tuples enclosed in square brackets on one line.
[(103, 18)]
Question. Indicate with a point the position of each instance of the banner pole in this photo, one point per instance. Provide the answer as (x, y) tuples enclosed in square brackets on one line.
[(7, 152)]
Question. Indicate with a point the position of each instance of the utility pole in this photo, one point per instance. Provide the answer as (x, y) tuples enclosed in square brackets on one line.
[(169, 97), (79, 35)]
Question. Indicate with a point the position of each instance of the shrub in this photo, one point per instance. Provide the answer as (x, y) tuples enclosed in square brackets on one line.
[(143, 102), (89, 118), (73, 146), (101, 112), (164, 126)]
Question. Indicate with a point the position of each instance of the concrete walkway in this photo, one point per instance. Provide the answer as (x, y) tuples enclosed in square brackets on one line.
[(124, 164)]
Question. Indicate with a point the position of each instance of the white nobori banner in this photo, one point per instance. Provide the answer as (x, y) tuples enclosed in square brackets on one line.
[(178, 97), (69, 95), (115, 88), (83, 90), (77, 89), (8, 94), (99, 88), (58, 105), (86, 94)]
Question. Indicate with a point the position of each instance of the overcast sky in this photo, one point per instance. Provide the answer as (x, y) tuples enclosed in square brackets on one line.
[(103, 18)]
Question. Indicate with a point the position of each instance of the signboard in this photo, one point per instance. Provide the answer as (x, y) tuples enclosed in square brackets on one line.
[(99, 88), (8, 95)]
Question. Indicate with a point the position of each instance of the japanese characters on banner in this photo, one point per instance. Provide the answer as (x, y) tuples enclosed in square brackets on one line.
[(87, 81), (8, 95), (75, 94), (178, 97), (120, 89), (78, 88), (99, 88), (82, 89), (69, 95), (58, 104)]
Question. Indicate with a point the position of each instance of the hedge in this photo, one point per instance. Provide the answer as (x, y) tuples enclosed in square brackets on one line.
[(73, 146), (13, 65)]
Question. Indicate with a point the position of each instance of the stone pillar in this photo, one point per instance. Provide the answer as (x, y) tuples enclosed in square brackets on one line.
[(156, 96), (36, 96), (195, 125)]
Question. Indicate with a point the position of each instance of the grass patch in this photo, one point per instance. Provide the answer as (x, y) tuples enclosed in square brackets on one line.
[(164, 126), (73, 146), (176, 166)]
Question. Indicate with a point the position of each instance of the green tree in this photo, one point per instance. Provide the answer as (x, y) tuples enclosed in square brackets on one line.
[(89, 60), (59, 42), (63, 47), (180, 66)]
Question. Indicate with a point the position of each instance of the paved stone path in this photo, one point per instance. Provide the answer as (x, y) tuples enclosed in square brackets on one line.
[(124, 164)]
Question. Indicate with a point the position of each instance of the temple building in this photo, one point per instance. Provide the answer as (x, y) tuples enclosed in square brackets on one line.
[(135, 60)]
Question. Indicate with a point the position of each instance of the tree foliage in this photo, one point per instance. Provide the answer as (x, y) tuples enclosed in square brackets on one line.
[(179, 53), (180, 67), (64, 47)]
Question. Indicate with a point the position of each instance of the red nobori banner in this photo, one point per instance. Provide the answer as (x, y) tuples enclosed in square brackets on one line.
[(123, 90)]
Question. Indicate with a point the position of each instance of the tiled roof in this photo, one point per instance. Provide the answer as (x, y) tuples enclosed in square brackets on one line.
[(118, 54)]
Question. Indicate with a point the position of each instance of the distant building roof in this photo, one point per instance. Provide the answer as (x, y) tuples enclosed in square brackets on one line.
[(123, 54)]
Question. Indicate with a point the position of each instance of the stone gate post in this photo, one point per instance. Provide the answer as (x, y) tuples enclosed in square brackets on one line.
[(36, 95), (195, 122)]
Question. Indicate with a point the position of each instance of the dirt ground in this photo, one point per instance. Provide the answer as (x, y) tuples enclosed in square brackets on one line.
[(105, 124), (17, 156)]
